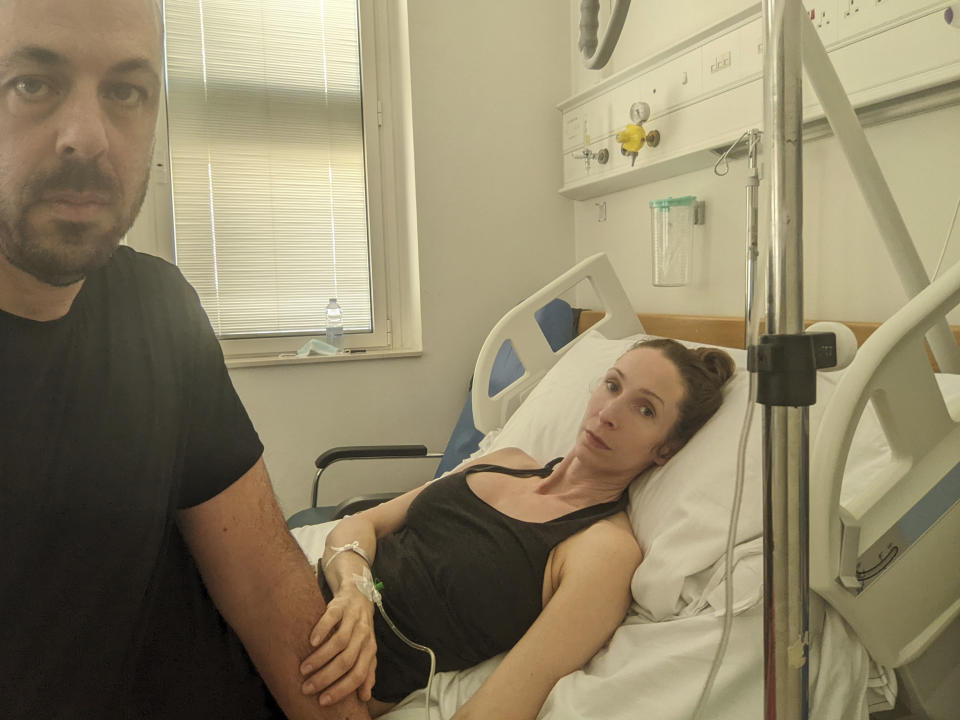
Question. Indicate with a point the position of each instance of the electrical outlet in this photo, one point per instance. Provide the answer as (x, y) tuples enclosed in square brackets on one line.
[(823, 15), (850, 8), (721, 62), (821, 18)]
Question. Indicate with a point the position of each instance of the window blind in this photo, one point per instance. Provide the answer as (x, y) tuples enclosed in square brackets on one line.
[(267, 162)]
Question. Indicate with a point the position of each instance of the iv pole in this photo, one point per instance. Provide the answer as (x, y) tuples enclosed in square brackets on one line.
[(785, 428)]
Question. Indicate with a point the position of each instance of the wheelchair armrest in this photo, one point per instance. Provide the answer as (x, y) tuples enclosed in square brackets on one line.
[(366, 452), (351, 506), (353, 452)]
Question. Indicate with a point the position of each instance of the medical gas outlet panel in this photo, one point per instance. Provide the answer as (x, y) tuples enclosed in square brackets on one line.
[(701, 95)]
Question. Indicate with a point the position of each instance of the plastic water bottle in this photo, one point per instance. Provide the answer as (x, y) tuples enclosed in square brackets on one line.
[(335, 325)]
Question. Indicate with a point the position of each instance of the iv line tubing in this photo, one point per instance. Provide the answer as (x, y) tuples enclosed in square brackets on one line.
[(760, 245), (753, 226), (731, 544), (415, 646)]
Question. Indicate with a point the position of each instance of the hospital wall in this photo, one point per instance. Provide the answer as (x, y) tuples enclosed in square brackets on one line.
[(492, 229), (848, 274)]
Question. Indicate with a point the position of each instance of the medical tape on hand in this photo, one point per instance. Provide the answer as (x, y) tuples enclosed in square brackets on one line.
[(367, 587), (351, 547)]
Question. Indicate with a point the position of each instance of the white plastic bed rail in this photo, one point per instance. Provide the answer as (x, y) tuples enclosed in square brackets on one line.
[(904, 607), (520, 327)]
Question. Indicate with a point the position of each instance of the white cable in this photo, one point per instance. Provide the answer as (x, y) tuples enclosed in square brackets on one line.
[(595, 57), (946, 242), (368, 588), (366, 585), (415, 646), (731, 544)]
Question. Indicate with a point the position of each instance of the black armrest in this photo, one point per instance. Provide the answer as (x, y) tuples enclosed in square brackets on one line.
[(347, 452), (353, 505), (366, 452)]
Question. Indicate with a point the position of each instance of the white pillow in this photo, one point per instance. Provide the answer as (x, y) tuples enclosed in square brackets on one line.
[(679, 512)]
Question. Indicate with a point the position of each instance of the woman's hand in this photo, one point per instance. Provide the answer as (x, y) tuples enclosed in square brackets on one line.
[(345, 658)]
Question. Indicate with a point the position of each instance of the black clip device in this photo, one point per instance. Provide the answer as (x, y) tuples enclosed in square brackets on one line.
[(786, 367)]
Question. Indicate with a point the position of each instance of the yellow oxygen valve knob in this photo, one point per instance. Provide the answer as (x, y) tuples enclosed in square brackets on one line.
[(632, 138)]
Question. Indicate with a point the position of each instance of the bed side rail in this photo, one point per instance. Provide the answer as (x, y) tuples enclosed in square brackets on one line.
[(520, 327), (893, 580)]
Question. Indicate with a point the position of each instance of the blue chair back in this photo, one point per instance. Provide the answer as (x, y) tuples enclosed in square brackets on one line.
[(558, 322)]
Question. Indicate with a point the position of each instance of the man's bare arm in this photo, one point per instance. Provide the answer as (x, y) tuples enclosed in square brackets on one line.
[(263, 585)]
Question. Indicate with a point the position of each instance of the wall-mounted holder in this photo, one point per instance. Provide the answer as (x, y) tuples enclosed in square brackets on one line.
[(671, 238)]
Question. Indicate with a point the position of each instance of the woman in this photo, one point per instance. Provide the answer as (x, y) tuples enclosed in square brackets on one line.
[(507, 555)]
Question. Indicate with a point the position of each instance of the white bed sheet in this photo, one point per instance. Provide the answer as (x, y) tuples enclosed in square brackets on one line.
[(657, 670)]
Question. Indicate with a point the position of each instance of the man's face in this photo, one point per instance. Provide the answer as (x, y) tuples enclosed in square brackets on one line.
[(79, 92)]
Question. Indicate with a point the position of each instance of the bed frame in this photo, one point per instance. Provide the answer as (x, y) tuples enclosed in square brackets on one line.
[(615, 318), (909, 603)]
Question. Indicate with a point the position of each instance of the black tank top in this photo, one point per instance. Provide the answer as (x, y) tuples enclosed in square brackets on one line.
[(463, 578)]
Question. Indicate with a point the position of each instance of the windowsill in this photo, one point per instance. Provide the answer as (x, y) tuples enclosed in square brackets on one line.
[(291, 360)]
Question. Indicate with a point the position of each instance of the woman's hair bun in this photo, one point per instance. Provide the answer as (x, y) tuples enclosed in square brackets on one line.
[(717, 362)]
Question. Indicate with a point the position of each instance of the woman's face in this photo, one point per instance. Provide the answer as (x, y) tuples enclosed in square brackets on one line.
[(630, 414)]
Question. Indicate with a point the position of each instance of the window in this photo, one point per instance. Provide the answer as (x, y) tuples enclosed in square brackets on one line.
[(273, 129)]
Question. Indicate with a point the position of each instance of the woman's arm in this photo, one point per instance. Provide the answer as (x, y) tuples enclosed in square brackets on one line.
[(345, 655), (590, 600)]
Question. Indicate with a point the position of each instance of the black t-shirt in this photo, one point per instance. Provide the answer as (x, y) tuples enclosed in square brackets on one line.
[(111, 419)]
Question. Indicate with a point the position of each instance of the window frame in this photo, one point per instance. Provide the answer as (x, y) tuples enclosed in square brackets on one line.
[(378, 40)]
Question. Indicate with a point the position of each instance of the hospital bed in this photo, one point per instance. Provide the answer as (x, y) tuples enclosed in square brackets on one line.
[(884, 475)]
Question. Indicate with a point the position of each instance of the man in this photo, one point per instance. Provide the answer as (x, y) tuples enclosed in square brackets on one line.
[(127, 463)]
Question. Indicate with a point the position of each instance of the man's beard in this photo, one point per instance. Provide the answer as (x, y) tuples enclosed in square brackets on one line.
[(62, 252)]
